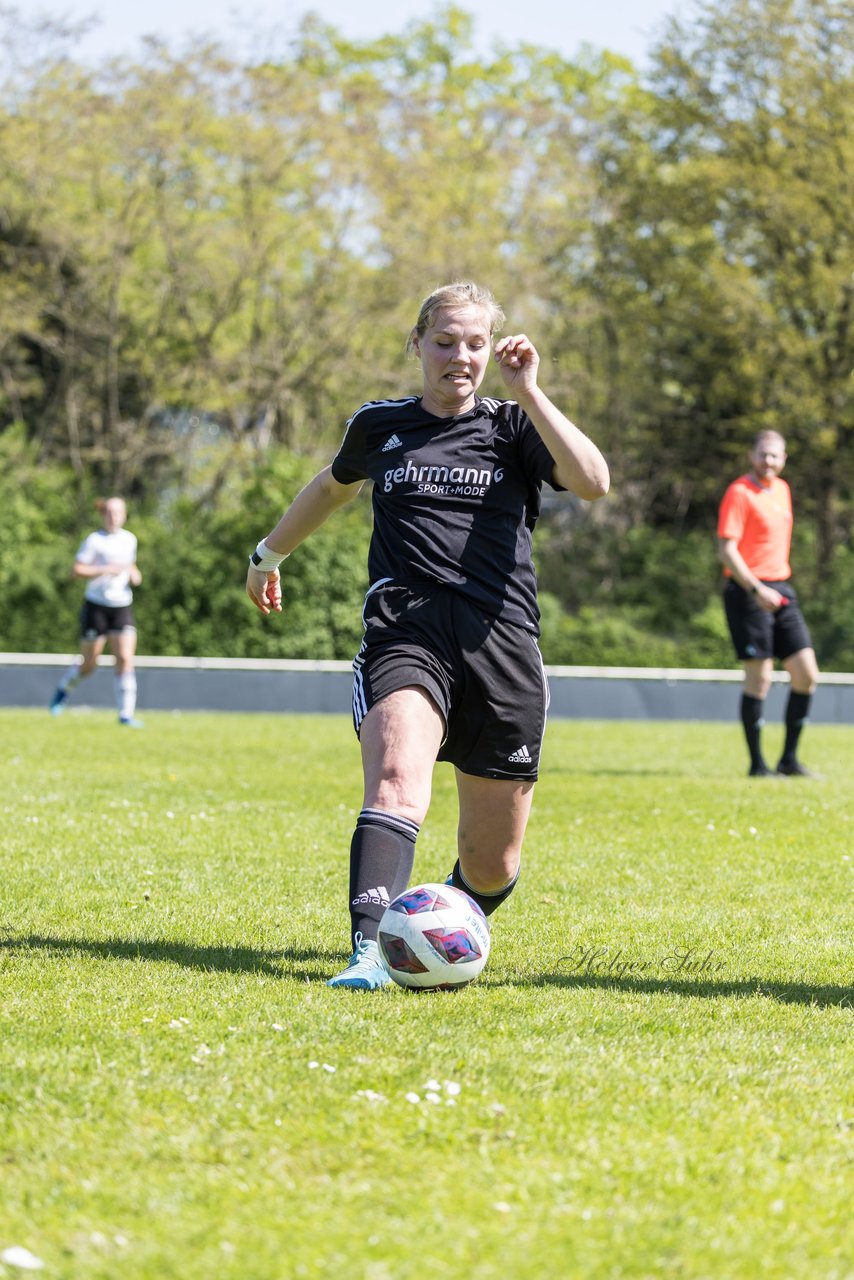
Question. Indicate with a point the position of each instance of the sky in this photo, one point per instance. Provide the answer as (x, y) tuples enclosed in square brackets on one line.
[(625, 26)]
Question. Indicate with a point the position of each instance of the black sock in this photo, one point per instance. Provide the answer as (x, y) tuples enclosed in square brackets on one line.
[(797, 714), (382, 853), (752, 718), (488, 902)]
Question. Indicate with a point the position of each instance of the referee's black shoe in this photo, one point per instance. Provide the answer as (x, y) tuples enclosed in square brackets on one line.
[(794, 769)]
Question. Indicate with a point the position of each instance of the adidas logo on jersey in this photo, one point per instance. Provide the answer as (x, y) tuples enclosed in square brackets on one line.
[(393, 442), (378, 896), (522, 756)]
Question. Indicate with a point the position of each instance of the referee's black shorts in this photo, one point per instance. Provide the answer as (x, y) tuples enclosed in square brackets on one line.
[(756, 633), (485, 675)]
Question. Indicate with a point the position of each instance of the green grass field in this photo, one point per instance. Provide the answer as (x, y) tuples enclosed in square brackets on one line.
[(654, 1077)]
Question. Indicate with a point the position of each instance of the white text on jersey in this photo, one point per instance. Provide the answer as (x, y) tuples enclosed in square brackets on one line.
[(466, 481)]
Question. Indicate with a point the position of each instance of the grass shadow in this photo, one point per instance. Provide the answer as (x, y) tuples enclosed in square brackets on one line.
[(822, 996), (307, 963), (288, 962)]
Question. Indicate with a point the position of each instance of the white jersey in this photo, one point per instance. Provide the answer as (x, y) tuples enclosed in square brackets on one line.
[(112, 589)]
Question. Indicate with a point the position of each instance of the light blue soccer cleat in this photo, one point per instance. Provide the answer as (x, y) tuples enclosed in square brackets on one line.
[(58, 701), (365, 970), (130, 722)]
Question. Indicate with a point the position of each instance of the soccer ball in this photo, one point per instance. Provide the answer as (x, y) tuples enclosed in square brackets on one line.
[(433, 936)]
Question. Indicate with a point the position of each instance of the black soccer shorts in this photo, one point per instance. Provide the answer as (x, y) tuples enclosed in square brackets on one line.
[(485, 675), (103, 619), (756, 633)]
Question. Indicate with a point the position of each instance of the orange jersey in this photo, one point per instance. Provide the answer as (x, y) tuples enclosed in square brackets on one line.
[(760, 519)]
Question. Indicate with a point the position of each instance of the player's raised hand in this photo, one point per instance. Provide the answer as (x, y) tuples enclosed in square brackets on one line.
[(518, 361), (264, 589)]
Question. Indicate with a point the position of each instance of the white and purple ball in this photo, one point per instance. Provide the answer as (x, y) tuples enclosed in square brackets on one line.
[(433, 936)]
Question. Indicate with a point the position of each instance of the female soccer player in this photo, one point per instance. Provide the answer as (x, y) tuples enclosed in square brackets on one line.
[(107, 561), (449, 667)]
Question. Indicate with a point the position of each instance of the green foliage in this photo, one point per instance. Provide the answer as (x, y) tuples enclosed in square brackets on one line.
[(204, 238), (194, 602), (640, 597), (725, 267), (831, 614), (639, 600), (243, 239), (193, 556), (623, 637), (654, 1070), (38, 538), (589, 559)]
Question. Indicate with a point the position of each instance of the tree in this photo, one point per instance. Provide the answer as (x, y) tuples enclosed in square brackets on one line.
[(206, 254), (250, 239), (724, 258)]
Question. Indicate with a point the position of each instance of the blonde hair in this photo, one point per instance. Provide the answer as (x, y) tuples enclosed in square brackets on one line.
[(460, 293)]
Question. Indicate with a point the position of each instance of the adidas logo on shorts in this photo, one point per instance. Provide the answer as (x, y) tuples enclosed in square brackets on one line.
[(522, 756), (378, 896), (393, 442)]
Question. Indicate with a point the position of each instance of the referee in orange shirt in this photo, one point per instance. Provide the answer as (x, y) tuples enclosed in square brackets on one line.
[(765, 621)]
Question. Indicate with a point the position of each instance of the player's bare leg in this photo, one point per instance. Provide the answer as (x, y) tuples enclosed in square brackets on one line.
[(90, 652), (803, 670), (493, 817), (400, 738)]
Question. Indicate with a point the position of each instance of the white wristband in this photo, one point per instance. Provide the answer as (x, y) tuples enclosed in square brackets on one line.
[(264, 559)]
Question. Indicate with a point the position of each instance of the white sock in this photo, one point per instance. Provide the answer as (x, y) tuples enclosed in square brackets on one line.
[(126, 695)]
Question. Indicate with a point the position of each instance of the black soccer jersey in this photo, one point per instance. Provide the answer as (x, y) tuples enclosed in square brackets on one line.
[(455, 499)]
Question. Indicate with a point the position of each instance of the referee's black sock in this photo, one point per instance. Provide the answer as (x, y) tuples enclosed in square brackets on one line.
[(488, 902), (752, 710), (797, 714), (382, 853)]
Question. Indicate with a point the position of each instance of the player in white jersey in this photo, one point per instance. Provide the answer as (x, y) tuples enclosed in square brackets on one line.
[(106, 561), (449, 667)]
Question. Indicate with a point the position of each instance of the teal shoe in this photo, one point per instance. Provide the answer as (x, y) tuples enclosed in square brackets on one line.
[(58, 701), (365, 970), (130, 723)]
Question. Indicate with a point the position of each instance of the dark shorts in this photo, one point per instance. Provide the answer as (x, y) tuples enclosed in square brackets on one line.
[(486, 676), (756, 633), (102, 619)]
